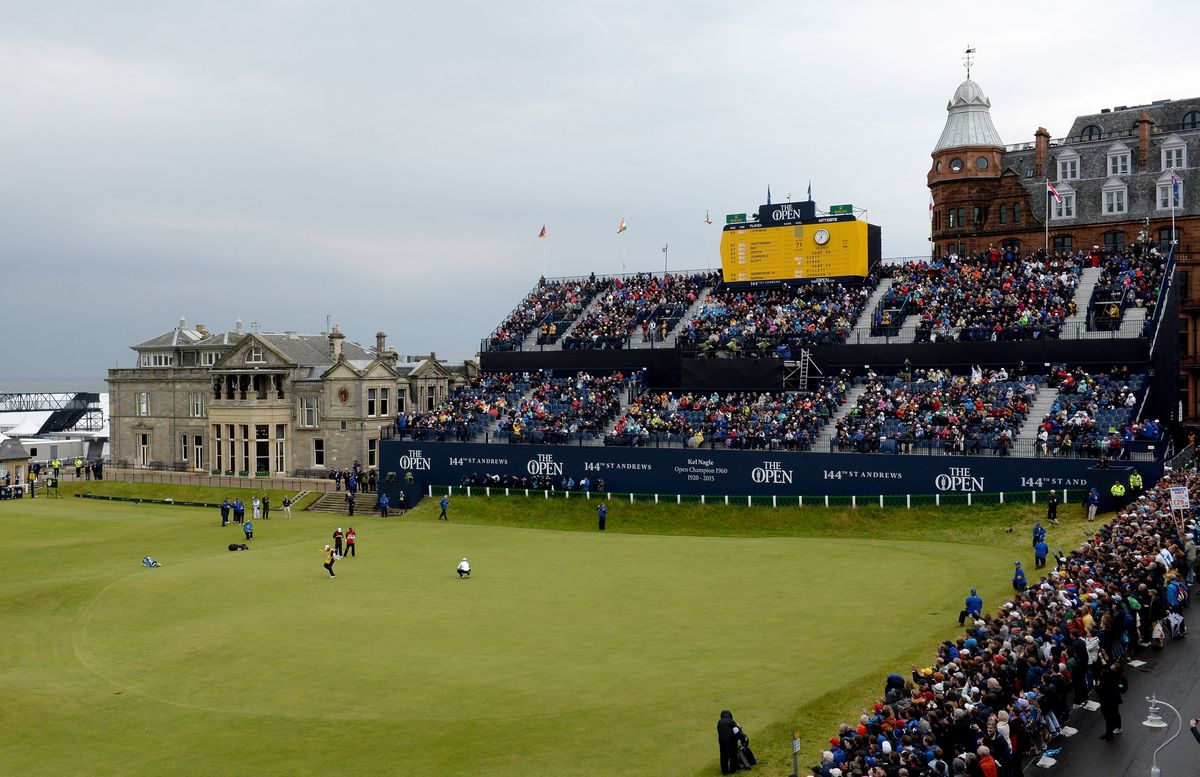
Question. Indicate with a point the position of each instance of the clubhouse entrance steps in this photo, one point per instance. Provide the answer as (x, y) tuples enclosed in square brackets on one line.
[(335, 502)]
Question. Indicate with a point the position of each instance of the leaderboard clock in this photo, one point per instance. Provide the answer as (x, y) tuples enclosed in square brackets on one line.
[(793, 244)]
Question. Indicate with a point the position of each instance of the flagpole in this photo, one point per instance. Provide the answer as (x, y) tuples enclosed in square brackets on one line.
[(1047, 187), (543, 257), (1174, 183)]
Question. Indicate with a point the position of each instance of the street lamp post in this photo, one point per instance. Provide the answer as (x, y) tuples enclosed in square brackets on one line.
[(1155, 721)]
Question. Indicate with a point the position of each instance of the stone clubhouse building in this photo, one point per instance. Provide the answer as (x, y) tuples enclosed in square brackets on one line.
[(256, 404)]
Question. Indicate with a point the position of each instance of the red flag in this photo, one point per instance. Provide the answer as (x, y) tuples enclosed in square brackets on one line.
[(621, 226), (543, 232), (1051, 190), (707, 218)]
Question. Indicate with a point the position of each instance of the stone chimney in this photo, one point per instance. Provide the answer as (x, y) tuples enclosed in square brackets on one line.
[(335, 343), (1144, 123), (182, 322), (380, 344), (1041, 144), (203, 330), (237, 327)]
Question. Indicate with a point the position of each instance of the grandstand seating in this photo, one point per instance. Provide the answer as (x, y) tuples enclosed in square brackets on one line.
[(551, 304), (1091, 414), (645, 304), (1130, 278), (742, 419), (996, 295), (775, 321), (565, 409), (936, 410), (468, 411)]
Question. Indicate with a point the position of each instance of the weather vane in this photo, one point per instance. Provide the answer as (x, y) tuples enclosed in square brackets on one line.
[(968, 58)]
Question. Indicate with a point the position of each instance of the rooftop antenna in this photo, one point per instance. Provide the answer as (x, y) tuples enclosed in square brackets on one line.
[(968, 58), (665, 247), (254, 326), (327, 323)]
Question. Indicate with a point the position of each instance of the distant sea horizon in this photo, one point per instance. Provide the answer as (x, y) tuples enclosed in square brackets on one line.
[(52, 385)]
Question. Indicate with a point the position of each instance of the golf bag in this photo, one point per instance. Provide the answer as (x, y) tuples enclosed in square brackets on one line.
[(149, 562), (745, 757), (235, 546), (1174, 625)]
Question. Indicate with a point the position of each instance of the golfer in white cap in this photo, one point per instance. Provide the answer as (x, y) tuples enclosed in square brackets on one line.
[(464, 569)]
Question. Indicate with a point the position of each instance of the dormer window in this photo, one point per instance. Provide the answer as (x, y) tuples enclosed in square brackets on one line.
[(1115, 197), (1191, 120), (1118, 159), (1091, 132), (1068, 166), (209, 358), (1063, 208), (254, 355), (1174, 153), (1170, 191)]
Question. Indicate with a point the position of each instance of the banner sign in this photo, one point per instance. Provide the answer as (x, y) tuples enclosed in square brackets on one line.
[(747, 472), (1180, 499)]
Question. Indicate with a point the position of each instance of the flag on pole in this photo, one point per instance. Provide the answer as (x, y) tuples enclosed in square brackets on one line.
[(542, 234), (1052, 191), (621, 226), (707, 218), (810, 191), (768, 194), (1174, 189), (931, 207)]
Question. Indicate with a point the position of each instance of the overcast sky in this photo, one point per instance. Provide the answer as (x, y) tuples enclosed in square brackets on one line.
[(390, 164)]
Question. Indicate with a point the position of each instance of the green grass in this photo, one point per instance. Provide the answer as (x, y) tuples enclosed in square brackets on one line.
[(570, 652)]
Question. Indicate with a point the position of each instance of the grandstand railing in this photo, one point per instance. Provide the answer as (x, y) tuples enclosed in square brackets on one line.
[(1164, 290)]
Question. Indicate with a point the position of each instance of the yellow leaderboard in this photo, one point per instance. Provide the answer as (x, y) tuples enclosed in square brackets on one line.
[(834, 249)]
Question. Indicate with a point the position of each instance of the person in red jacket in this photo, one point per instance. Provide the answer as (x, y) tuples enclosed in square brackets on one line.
[(987, 764), (350, 535)]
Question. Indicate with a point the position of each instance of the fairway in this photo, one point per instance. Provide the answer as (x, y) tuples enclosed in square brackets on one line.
[(567, 652)]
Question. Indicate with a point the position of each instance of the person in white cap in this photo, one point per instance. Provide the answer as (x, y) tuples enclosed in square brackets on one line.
[(330, 557), (464, 569)]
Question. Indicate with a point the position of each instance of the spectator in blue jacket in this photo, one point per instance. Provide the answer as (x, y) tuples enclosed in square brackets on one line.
[(1040, 551), (973, 606), (1018, 580), (1091, 504), (1039, 533)]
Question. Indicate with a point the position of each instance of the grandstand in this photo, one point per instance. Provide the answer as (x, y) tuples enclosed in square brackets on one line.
[(1022, 368)]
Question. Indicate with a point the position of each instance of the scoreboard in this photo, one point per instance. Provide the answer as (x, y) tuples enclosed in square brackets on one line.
[(829, 248)]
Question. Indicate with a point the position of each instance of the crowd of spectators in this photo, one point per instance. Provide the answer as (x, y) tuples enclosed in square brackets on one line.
[(554, 304), (1131, 277), (563, 410), (999, 694), (1091, 414), (995, 295), (786, 420), (954, 413), (468, 410), (775, 321), (535, 482), (644, 305)]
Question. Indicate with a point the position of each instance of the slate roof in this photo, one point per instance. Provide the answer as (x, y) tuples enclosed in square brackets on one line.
[(1119, 133), (173, 339), (11, 449)]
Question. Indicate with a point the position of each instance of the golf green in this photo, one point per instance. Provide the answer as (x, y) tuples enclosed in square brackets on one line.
[(566, 652)]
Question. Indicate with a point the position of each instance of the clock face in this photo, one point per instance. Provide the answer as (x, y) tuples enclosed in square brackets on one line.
[(344, 395), (821, 236)]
